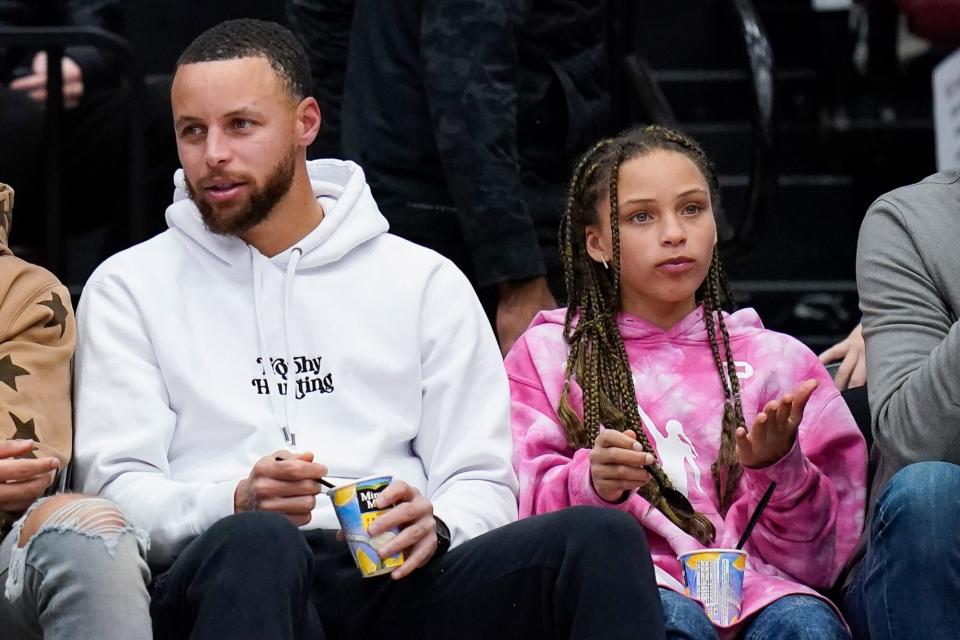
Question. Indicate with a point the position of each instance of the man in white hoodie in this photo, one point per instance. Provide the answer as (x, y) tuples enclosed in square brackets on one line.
[(276, 335)]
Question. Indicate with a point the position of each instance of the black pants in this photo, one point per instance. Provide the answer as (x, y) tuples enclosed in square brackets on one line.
[(578, 573)]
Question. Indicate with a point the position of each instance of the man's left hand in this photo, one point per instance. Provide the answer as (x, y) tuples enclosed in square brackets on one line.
[(413, 515)]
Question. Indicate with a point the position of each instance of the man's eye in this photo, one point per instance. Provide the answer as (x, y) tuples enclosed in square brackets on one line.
[(242, 124), (192, 130)]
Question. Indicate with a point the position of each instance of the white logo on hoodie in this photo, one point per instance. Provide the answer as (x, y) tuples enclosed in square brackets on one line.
[(676, 452)]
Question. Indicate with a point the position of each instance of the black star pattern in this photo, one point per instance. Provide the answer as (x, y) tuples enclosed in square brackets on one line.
[(25, 431), (9, 372), (59, 313)]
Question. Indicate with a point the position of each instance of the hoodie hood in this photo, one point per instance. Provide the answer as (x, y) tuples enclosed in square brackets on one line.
[(6, 218), (691, 328), (351, 217)]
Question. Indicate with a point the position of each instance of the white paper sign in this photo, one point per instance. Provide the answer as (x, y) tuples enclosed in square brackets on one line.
[(946, 111)]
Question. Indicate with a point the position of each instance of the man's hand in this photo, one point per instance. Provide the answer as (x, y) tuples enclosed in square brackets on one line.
[(287, 486), (519, 302), (853, 369), (35, 84), (413, 515), (23, 480), (617, 464), (774, 429)]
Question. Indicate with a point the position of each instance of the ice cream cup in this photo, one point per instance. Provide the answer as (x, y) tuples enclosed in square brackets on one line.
[(715, 578), (356, 507)]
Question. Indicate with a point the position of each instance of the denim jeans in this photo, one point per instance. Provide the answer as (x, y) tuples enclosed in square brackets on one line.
[(908, 584), (790, 618), (79, 576)]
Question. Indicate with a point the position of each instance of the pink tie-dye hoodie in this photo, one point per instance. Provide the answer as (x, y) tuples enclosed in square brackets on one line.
[(812, 523)]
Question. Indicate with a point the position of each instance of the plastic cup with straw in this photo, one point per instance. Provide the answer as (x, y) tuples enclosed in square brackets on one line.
[(715, 576)]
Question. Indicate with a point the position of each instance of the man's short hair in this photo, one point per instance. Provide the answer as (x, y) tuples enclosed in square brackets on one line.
[(248, 38)]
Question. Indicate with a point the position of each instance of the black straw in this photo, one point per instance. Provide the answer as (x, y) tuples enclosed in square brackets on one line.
[(320, 480), (756, 515)]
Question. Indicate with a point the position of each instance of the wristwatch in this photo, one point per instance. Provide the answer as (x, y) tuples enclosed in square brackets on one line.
[(443, 537)]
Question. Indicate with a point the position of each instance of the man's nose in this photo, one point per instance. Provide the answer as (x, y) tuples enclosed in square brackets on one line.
[(216, 149)]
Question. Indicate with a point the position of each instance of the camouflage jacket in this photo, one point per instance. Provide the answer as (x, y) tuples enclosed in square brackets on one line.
[(469, 106)]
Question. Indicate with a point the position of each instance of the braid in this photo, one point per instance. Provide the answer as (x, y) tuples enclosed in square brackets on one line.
[(598, 358), (726, 469), (615, 227)]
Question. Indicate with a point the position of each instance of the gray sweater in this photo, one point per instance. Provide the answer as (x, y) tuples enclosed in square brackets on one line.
[(908, 276)]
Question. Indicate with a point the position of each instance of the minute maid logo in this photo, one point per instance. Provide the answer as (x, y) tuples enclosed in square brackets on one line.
[(368, 499), (307, 375)]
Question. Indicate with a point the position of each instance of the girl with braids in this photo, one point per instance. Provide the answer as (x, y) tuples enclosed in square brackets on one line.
[(645, 386)]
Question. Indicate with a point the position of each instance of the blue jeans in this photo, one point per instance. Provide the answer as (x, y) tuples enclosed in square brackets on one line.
[(81, 575), (789, 618), (908, 584)]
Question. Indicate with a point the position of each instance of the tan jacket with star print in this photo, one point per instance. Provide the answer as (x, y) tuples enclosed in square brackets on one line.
[(37, 338)]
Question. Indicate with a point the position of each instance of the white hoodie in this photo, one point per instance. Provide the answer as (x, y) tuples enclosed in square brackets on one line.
[(396, 370)]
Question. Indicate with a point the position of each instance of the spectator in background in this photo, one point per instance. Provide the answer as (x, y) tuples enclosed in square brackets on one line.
[(465, 115), (907, 267), (323, 26), (94, 120), (70, 565)]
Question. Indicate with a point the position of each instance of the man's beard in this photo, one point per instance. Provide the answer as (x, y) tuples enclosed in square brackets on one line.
[(259, 204)]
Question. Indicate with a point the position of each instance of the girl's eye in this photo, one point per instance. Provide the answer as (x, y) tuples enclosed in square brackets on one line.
[(640, 216), (692, 209)]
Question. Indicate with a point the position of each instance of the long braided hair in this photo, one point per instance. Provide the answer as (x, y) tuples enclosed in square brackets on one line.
[(598, 359)]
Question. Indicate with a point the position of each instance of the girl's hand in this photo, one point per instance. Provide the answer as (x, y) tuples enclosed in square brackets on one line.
[(617, 464), (774, 429)]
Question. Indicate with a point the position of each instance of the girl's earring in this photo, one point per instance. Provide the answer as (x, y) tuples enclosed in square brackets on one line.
[(605, 265)]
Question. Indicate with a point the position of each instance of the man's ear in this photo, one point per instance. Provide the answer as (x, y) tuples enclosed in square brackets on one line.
[(596, 243), (308, 121)]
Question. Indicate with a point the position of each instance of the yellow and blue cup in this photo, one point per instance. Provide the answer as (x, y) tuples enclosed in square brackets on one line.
[(715, 578), (356, 508)]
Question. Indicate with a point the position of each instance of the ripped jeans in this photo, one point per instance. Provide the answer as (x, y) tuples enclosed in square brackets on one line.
[(81, 575)]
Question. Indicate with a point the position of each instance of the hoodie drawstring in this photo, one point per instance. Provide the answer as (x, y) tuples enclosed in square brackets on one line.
[(283, 411), (290, 407)]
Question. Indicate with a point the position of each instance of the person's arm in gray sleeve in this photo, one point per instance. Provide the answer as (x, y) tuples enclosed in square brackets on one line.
[(913, 341)]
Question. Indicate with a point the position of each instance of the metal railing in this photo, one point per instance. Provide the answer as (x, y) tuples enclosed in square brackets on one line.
[(54, 41)]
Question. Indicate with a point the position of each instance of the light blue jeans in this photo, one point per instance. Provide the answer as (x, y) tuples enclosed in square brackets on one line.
[(82, 575), (790, 618), (908, 584)]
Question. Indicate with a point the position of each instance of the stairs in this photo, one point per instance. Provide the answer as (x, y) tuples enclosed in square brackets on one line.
[(840, 144)]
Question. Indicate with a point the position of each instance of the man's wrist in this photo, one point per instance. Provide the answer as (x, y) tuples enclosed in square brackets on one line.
[(443, 537)]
